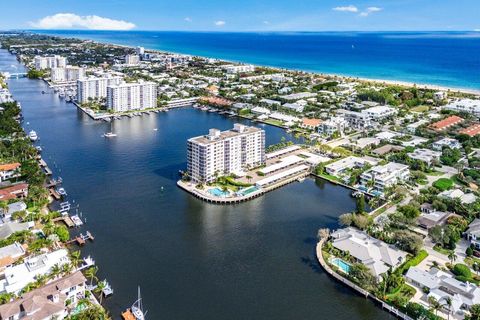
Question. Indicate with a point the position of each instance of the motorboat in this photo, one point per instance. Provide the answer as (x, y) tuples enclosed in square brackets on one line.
[(33, 136), (62, 192), (109, 135)]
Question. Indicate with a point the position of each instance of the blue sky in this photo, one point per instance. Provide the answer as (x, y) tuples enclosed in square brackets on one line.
[(243, 15)]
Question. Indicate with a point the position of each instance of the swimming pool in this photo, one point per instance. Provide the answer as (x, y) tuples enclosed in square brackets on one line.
[(217, 192), (340, 264), (249, 190)]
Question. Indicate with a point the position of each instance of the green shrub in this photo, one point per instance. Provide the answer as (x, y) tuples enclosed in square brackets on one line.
[(462, 270), (469, 252), (413, 261)]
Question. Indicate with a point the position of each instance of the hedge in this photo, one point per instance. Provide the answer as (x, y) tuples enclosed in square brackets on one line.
[(413, 261)]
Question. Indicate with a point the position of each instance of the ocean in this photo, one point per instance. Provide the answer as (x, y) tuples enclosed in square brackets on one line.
[(450, 59)]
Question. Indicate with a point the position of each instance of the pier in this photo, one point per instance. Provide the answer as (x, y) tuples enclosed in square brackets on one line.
[(81, 239)]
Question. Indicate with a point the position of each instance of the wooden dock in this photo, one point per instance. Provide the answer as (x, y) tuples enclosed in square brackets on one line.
[(82, 239), (54, 193), (128, 315), (66, 219)]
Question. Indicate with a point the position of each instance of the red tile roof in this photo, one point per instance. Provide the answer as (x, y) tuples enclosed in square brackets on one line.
[(447, 122), (472, 130), (311, 122), (14, 191), (9, 166)]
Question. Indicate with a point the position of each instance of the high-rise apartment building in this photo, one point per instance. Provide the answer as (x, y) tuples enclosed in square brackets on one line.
[(132, 96)]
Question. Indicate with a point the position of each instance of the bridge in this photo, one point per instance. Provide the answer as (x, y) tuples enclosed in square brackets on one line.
[(17, 75)]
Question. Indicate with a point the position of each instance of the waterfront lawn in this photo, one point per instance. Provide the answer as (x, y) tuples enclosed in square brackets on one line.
[(403, 293), (329, 177), (274, 122), (230, 183)]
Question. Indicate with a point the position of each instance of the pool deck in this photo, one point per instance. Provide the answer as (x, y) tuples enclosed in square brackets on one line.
[(205, 196)]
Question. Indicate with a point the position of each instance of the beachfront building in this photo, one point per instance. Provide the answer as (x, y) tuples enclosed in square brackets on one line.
[(132, 59), (241, 68), (49, 62), (225, 152), (443, 286), (332, 125), (66, 74), (377, 255), (465, 105), (93, 88), (131, 96), (384, 176), (52, 301), (18, 276)]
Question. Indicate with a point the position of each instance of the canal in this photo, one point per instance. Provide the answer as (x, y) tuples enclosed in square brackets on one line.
[(193, 260)]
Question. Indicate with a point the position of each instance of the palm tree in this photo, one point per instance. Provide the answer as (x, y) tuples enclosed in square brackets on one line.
[(323, 233), (99, 290), (434, 304), (448, 302), (55, 271), (452, 257), (75, 258), (91, 273), (67, 268)]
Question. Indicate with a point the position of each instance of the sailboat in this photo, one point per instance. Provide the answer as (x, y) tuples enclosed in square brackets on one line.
[(136, 310)]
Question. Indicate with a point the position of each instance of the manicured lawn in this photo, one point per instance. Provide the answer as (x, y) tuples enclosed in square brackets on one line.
[(327, 176), (413, 261), (274, 122), (420, 109), (443, 184)]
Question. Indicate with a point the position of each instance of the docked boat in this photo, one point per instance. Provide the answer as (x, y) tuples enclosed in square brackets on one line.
[(109, 135), (39, 149), (76, 220), (62, 192), (33, 136), (135, 312)]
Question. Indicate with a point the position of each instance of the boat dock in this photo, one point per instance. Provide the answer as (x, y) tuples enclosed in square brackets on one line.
[(54, 193), (66, 219), (82, 239), (45, 167), (128, 315)]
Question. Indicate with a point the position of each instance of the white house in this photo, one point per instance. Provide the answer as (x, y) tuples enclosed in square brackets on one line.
[(384, 176), (332, 125), (447, 142), (377, 255)]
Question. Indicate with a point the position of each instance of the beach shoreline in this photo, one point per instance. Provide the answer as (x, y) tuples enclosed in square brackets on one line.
[(342, 76)]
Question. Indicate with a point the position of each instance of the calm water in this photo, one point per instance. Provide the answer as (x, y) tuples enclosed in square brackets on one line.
[(192, 260), (441, 58)]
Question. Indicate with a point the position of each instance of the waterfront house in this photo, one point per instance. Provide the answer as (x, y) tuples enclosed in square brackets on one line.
[(52, 301), (383, 176), (338, 167), (9, 228), (9, 254), (377, 255), (442, 286), (310, 124), (9, 171), (15, 191), (18, 276), (260, 111), (6, 214)]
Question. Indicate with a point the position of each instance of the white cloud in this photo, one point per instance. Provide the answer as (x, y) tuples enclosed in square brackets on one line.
[(220, 23), (476, 30), (349, 8), (370, 10), (73, 21), (188, 19), (266, 22)]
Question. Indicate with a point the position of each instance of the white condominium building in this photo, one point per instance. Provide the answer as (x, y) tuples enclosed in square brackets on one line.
[(95, 87), (239, 68), (380, 112), (332, 125), (383, 176), (225, 152), (465, 105), (67, 74), (132, 96), (49, 62), (132, 59)]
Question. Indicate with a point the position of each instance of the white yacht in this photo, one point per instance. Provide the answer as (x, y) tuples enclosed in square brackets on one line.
[(109, 135), (136, 311), (33, 136)]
